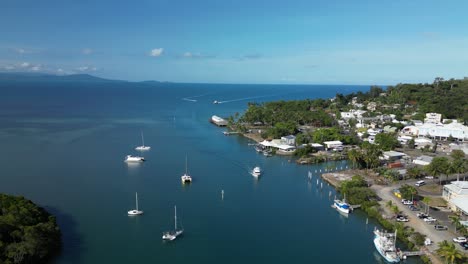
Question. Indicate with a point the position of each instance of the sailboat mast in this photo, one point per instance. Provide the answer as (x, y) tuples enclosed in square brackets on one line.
[(136, 200), (142, 139), (186, 168), (175, 218)]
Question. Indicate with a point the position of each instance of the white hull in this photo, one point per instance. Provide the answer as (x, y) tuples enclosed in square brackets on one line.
[(186, 179), (172, 235), (135, 212), (143, 148), (385, 245), (256, 172), (340, 208), (130, 158)]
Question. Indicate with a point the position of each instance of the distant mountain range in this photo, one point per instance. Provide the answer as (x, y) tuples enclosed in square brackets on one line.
[(44, 77)]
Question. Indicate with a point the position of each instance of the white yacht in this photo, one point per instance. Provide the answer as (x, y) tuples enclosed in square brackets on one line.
[(342, 205), (385, 245), (172, 235), (256, 172), (186, 178), (130, 158), (143, 147), (215, 102), (135, 211)]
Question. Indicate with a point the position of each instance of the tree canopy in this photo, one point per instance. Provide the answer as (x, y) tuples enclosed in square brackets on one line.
[(28, 233)]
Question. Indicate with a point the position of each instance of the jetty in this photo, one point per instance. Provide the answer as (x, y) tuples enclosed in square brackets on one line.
[(226, 133), (218, 121)]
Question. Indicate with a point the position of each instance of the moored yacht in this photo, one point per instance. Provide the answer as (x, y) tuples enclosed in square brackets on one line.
[(256, 172), (385, 244), (143, 147), (173, 234), (342, 206), (130, 158), (135, 211), (186, 178)]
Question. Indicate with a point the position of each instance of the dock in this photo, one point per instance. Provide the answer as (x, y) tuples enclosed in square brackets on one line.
[(412, 253), (226, 133)]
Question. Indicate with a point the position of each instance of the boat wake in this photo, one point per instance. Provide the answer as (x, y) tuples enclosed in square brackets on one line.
[(190, 98), (246, 98)]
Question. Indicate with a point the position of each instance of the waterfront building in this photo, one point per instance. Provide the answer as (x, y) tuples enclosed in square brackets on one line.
[(289, 140), (456, 195), (333, 144)]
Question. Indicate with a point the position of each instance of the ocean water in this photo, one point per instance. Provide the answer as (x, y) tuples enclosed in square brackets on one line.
[(63, 145)]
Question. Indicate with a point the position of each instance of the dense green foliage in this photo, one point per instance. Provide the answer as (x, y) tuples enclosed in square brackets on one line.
[(386, 141), (366, 157), (408, 192), (28, 234)]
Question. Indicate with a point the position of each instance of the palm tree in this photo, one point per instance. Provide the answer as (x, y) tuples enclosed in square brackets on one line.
[(353, 155), (455, 219), (449, 251), (427, 201)]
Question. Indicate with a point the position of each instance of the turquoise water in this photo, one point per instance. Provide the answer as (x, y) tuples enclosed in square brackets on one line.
[(63, 144)]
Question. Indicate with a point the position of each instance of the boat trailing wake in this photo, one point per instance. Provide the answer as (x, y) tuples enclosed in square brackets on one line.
[(246, 98)]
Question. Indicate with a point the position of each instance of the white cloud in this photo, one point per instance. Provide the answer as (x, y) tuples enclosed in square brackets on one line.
[(86, 69), (156, 52), (21, 51), (196, 55), (86, 51), (36, 68), (9, 67), (25, 64)]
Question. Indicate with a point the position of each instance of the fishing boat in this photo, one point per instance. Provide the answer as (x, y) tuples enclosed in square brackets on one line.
[(130, 158), (256, 172), (143, 147), (385, 243), (186, 178), (173, 234), (135, 211), (342, 205)]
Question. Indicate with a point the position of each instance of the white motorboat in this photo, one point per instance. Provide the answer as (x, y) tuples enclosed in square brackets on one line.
[(385, 244), (135, 211), (342, 205), (130, 158), (256, 172), (186, 178), (215, 102), (173, 234), (143, 147)]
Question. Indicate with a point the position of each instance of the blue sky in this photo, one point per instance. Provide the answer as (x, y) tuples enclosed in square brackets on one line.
[(214, 41)]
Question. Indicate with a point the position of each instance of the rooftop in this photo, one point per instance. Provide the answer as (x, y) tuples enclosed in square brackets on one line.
[(460, 188), (393, 153), (461, 202)]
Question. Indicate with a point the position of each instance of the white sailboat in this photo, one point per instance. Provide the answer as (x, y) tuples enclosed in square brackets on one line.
[(171, 235), (135, 211), (186, 178), (143, 147)]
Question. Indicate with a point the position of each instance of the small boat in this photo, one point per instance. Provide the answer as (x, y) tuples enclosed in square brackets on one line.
[(342, 206), (135, 211), (267, 153), (385, 243), (259, 148), (215, 102), (256, 172), (143, 147), (172, 235), (186, 178), (130, 158)]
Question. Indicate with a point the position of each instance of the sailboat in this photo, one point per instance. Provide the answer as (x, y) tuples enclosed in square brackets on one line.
[(143, 147), (171, 235), (135, 211), (186, 178), (342, 205)]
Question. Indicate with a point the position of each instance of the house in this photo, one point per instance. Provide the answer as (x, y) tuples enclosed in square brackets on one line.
[(433, 118), (333, 144), (371, 106), (317, 146), (456, 194), (279, 145), (393, 155), (289, 140), (423, 160)]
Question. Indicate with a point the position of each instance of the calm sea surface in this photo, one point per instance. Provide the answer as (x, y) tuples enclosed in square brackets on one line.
[(62, 145)]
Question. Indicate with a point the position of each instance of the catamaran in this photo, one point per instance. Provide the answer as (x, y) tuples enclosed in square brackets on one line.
[(186, 178), (143, 147), (135, 211), (171, 235), (385, 245)]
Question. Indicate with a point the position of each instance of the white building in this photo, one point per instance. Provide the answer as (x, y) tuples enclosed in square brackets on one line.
[(333, 144), (433, 118), (456, 194), (352, 114), (289, 140), (423, 160), (444, 131)]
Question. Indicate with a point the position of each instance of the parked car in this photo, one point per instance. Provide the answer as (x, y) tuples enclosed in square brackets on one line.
[(420, 183), (406, 202), (402, 219), (429, 219), (429, 177), (459, 239), (422, 215), (440, 227), (464, 245)]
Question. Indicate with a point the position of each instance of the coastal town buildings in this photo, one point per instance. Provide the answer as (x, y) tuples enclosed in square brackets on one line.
[(456, 195)]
